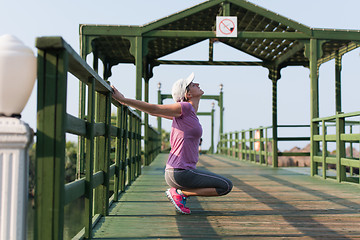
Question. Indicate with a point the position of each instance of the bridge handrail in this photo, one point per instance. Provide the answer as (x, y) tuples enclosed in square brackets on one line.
[(340, 159), (55, 60), (259, 148)]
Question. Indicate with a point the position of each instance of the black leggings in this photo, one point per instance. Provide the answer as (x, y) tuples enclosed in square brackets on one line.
[(194, 178)]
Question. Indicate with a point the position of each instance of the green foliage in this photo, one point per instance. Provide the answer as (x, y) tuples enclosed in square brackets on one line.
[(70, 161), (70, 164), (32, 154)]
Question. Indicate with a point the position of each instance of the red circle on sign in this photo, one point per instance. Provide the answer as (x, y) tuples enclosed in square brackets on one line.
[(226, 26)]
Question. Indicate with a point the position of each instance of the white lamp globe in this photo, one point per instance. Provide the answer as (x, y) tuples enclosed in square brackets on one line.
[(17, 75)]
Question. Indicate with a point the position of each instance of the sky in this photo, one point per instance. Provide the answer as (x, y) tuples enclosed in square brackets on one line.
[(247, 90)]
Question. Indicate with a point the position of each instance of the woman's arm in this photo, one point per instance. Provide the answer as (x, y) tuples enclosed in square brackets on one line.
[(167, 111)]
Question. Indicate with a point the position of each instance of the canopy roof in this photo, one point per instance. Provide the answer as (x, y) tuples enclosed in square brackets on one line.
[(265, 35)]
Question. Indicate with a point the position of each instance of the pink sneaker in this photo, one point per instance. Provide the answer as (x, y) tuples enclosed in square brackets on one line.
[(178, 200)]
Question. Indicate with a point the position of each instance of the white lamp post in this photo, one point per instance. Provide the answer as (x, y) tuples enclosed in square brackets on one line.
[(17, 78)]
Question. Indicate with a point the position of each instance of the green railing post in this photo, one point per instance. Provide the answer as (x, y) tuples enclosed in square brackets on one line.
[(226, 144), (138, 146), (118, 153), (243, 145), (340, 149), (212, 131), (50, 149), (221, 106), (324, 149), (251, 146), (101, 162), (80, 164), (266, 147), (159, 102), (132, 150), (219, 144), (125, 151), (231, 149), (261, 156), (89, 162), (351, 153), (236, 147), (146, 130)]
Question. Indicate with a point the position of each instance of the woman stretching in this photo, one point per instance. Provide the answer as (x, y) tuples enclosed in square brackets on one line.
[(181, 173)]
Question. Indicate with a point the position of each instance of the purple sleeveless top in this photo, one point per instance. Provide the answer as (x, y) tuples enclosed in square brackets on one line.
[(185, 137)]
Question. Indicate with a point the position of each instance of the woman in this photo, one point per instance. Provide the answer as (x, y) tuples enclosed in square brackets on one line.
[(181, 173)]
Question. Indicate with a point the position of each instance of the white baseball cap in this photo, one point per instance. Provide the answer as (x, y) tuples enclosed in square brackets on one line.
[(179, 88)]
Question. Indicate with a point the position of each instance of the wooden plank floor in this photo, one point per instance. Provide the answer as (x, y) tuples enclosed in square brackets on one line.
[(265, 203)]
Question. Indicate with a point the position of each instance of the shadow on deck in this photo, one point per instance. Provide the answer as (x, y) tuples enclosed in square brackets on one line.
[(265, 203)]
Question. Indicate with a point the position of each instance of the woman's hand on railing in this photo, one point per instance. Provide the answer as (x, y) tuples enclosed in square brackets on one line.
[(118, 96)]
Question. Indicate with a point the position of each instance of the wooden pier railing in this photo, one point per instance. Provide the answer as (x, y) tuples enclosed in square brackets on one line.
[(342, 135), (56, 59), (255, 145)]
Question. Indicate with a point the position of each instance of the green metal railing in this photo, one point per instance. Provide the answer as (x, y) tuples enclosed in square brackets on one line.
[(55, 60), (255, 145), (321, 158)]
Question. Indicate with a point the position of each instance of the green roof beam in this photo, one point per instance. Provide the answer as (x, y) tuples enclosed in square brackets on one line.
[(330, 34), (218, 63), (177, 16), (212, 34), (341, 52), (113, 30), (273, 16), (289, 54)]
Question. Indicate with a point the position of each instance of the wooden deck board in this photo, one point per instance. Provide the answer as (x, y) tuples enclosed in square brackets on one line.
[(265, 203)]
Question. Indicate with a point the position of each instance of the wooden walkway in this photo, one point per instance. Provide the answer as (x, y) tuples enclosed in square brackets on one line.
[(265, 203)]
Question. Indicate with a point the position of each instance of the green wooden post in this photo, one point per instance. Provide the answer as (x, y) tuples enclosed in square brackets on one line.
[(211, 50), (139, 68), (351, 153), (274, 75), (107, 161), (146, 120), (261, 156), (340, 148), (89, 162), (212, 131), (117, 178), (313, 55), (266, 147), (159, 102), (230, 151), (226, 9), (251, 146), (243, 145), (226, 144), (221, 106), (219, 145), (101, 163), (338, 82), (131, 149), (80, 165), (324, 149), (138, 146), (236, 147), (50, 149), (124, 147)]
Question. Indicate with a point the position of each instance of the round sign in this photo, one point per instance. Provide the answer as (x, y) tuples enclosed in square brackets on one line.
[(226, 26)]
